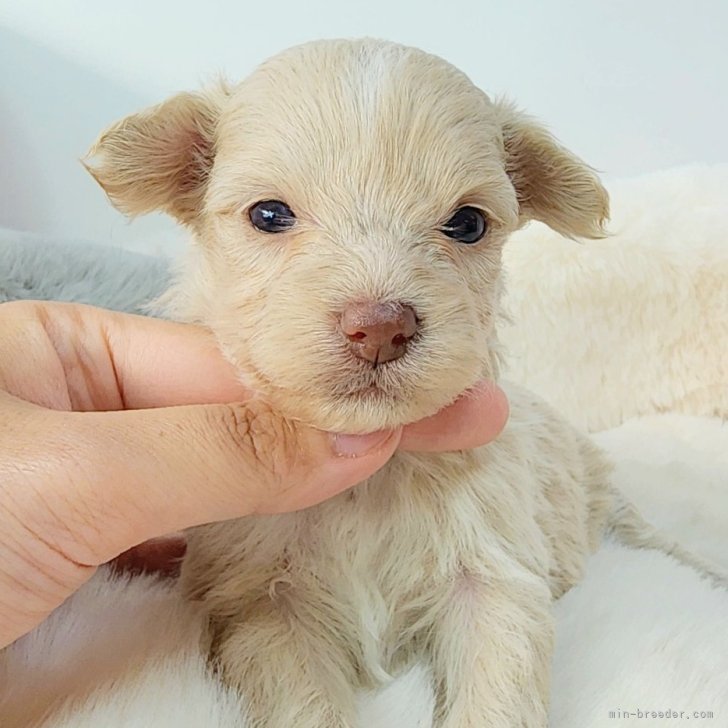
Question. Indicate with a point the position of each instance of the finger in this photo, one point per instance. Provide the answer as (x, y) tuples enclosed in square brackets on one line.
[(88, 359), (163, 363), (130, 476), (475, 419)]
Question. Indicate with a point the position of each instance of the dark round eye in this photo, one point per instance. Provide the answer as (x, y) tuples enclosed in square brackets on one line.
[(467, 225), (272, 216)]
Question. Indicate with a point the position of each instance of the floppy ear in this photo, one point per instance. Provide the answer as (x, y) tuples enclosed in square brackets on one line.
[(552, 184), (160, 158)]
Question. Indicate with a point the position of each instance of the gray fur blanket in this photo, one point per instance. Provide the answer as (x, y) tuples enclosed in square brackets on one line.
[(33, 267)]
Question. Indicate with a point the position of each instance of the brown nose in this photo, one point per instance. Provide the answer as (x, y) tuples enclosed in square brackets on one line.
[(378, 332)]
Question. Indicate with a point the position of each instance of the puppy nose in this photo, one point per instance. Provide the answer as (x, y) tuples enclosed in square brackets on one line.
[(378, 332)]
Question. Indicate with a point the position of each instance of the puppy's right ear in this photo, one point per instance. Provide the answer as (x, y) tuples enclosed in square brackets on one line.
[(160, 158)]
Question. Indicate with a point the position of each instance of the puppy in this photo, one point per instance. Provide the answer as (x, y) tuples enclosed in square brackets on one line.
[(349, 203)]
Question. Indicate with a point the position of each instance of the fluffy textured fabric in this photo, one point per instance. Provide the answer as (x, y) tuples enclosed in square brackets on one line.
[(136, 635), (32, 267), (640, 633), (633, 324)]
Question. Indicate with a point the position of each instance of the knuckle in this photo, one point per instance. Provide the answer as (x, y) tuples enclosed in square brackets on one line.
[(268, 441)]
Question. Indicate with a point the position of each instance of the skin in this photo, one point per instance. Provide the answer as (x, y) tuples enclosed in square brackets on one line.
[(117, 429)]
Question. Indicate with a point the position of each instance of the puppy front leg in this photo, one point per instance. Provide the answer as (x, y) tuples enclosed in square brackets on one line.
[(491, 653), (290, 676)]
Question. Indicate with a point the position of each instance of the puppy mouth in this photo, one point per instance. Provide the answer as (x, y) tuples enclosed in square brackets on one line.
[(372, 392), (375, 379), (365, 387)]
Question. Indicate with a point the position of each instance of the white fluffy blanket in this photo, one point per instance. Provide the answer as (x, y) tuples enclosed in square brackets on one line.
[(630, 334)]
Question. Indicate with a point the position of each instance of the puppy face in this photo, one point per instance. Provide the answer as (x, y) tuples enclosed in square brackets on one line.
[(349, 203)]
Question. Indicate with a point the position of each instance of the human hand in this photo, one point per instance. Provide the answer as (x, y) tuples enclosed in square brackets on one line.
[(115, 429)]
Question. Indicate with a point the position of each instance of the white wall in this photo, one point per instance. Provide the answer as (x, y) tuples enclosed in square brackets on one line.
[(631, 85)]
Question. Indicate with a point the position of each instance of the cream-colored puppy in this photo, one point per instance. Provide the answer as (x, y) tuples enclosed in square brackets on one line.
[(349, 203)]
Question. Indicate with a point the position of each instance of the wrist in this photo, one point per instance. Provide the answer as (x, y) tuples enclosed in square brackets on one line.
[(55, 505), (35, 577)]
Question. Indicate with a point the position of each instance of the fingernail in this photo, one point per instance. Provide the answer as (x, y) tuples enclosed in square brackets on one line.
[(353, 446)]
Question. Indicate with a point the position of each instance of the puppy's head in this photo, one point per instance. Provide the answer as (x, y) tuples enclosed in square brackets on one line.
[(349, 202)]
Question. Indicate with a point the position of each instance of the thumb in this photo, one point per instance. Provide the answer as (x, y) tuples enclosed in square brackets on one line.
[(133, 475)]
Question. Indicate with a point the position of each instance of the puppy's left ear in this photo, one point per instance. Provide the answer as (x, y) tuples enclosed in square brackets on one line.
[(552, 184)]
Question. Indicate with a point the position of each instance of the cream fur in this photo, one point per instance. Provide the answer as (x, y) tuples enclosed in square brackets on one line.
[(328, 598), (453, 557), (638, 631), (371, 177)]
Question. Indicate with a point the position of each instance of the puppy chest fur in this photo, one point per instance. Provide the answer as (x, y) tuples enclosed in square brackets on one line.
[(348, 204), (411, 564)]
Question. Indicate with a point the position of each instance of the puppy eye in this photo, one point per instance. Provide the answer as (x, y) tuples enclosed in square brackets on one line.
[(271, 216), (467, 225)]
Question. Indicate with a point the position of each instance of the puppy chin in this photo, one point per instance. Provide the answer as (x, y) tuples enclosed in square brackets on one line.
[(362, 412), (356, 404)]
